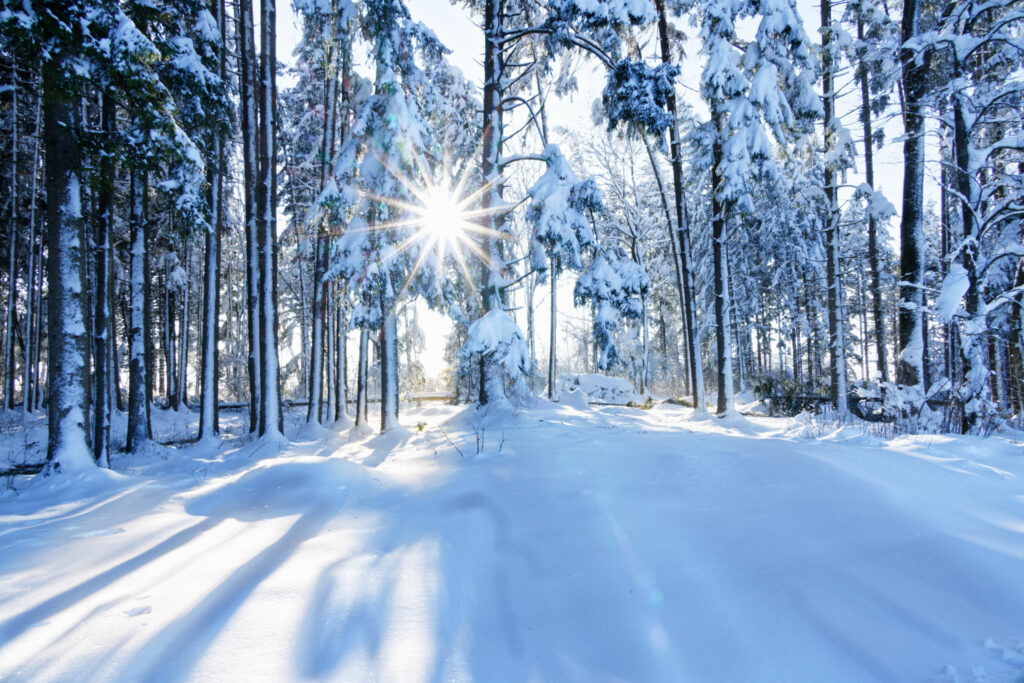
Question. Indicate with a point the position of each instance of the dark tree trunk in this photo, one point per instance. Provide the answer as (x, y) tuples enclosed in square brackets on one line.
[(209, 417), (31, 375), (874, 259), (362, 377), (249, 125), (910, 357), (68, 343), (271, 419), (139, 430), (682, 239), (721, 268), (102, 318), (834, 288), (12, 250)]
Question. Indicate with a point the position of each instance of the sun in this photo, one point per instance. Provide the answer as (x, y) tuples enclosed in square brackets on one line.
[(442, 217)]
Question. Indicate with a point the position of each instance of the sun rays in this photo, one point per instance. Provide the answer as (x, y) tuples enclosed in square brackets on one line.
[(442, 224)]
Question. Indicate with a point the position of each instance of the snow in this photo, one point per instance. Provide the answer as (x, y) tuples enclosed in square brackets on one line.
[(607, 544), (954, 287), (598, 388)]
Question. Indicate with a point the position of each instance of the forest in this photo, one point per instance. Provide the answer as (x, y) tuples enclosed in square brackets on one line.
[(435, 262), (179, 228)]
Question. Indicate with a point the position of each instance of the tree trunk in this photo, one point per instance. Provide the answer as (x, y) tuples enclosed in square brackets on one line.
[(341, 369), (250, 159), (271, 418), (389, 372), (834, 288), (170, 340), (12, 261), (721, 268), (102, 318), (362, 377), (553, 339), (676, 259), (209, 415), (491, 384), (683, 230), (139, 430), (182, 381), (320, 309), (975, 392), (209, 422), (910, 359), (30, 381), (68, 345), (874, 259)]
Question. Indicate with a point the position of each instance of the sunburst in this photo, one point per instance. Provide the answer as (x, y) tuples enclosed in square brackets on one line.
[(444, 219)]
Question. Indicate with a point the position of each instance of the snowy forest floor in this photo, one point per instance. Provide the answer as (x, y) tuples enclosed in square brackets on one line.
[(597, 545)]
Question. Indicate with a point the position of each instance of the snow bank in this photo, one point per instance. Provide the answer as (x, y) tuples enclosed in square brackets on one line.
[(598, 388)]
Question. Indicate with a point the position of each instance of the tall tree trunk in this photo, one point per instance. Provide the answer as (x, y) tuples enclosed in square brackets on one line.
[(271, 418), (389, 372), (37, 369), (209, 422), (12, 261), (676, 259), (30, 381), (341, 369), (181, 397), (362, 377), (874, 259), (834, 288), (170, 340), (975, 392), (68, 343), (910, 357), (320, 308), (139, 430), (491, 383), (682, 239), (250, 124), (209, 415), (102, 318), (721, 267), (553, 339)]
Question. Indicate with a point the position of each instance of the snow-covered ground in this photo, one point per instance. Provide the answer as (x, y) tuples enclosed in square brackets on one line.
[(578, 545)]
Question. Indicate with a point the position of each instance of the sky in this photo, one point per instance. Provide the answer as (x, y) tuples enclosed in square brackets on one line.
[(456, 28)]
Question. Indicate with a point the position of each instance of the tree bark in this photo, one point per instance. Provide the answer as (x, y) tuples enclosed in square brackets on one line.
[(102, 318), (910, 359), (721, 274), (68, 344), (139, 430), (874, 259), (12, 252), (209, 416), (553, 340), (491, 385), (271, 419), (682, 239), (30, 381), (362, 377), (389, 372), (834, 288), (250, 159)]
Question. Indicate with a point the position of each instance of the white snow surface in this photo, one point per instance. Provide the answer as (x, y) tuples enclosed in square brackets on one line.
[(612, 544), (600, 388)]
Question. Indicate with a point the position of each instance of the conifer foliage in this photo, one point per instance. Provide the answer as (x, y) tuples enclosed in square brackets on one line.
[(736, 231)]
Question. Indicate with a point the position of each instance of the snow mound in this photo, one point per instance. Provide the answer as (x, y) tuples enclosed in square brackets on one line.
[(574, 398), (598, 388)]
